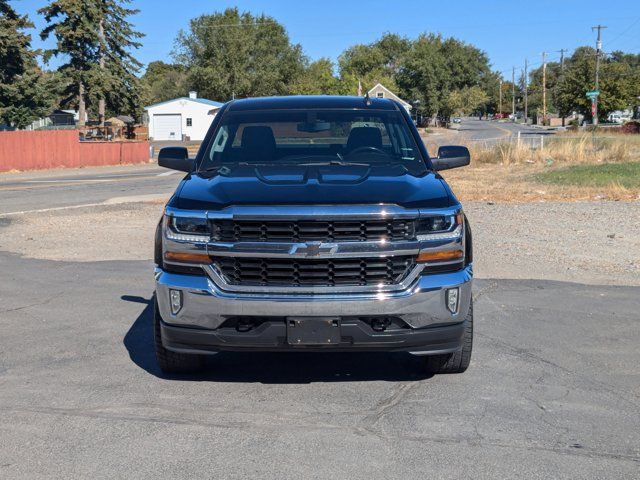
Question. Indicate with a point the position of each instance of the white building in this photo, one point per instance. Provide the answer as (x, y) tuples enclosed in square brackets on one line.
[(184, 118), (380, 91)]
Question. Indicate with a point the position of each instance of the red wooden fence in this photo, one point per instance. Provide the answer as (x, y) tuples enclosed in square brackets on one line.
[(61, 148)]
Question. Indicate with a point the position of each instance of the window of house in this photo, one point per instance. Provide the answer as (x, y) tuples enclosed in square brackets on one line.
[(189, 122), (380, 94)]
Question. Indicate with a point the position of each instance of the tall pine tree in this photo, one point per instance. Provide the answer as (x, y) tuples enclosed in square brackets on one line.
[(74, 24), (119, 85), (24, 90), (95, 38)]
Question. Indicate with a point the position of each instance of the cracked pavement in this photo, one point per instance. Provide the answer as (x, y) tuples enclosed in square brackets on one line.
[(553, 390)]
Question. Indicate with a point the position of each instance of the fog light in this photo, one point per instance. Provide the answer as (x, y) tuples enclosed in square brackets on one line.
[(175, 298), (452, 296)]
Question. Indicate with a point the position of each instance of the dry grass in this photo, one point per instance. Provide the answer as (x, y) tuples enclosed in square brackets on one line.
[(564, 150), (514, 183), (506, 172)]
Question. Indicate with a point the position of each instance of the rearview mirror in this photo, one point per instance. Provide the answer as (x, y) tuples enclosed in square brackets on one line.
[(451, 156), (314, 127), (175, 158)]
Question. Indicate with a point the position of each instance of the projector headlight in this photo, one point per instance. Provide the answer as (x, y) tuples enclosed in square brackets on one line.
[(187, 229), (439, 227)]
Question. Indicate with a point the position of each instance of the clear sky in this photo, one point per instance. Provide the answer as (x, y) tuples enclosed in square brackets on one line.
[(507, 30)]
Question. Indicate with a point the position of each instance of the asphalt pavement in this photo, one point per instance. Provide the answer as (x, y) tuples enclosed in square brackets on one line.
[(552, 391), (50, 189), (491, 131)]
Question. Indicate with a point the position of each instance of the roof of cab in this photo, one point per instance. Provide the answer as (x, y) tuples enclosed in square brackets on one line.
[(310, 101)]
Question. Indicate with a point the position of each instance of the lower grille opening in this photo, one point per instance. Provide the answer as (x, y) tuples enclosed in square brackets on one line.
[(247, 323), (316, 272)]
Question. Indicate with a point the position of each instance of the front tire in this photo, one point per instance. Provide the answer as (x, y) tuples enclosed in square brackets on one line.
[(456, 362), (168, 361)]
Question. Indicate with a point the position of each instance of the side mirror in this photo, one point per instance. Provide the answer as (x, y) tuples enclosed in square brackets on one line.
[(175, 158), (452, 156)]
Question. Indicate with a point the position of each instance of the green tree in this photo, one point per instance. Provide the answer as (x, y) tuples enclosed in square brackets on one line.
[(163, 81), (619, 84), (467, 100), (118, 85), (434, 67), (74, 24), (233, 53), (377, 62), (25, 91), (317, 79)]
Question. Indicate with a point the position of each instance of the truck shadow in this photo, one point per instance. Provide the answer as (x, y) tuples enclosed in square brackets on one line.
[(273, 368)]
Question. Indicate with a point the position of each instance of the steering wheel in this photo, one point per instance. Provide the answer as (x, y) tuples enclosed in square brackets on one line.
[(367, 148)]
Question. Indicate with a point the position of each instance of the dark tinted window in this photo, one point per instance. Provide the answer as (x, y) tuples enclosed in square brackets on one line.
[(301, 137)]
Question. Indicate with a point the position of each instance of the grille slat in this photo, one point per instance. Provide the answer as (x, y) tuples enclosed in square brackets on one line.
[(316, 272), (306, 230)]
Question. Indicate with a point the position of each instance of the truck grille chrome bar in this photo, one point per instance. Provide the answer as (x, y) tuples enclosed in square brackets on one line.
[(369, 271)]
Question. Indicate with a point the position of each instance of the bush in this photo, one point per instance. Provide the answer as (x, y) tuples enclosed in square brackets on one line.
[(631, 127)]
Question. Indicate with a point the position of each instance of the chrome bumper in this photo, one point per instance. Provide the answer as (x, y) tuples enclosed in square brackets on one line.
[(206, 306)]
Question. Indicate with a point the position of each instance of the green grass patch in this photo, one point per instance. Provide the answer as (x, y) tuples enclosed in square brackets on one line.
[(626, 174)]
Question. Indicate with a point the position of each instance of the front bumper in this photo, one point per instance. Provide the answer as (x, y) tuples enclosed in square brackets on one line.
[(197, 327)]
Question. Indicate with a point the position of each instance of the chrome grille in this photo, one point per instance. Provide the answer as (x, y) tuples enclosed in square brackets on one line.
[(312, 230), (316, 272)]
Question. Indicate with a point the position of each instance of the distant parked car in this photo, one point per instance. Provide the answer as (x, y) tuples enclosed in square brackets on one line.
[(457, 120), (498, 116)]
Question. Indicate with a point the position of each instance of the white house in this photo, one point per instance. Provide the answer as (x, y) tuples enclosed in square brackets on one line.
[(380, 91), (185, 118)]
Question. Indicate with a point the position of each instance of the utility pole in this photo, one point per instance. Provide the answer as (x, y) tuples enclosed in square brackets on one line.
[(500, 107), (101, 101), (513, 93), (562, 50), (594, 107), (526, 90), (544, 87)]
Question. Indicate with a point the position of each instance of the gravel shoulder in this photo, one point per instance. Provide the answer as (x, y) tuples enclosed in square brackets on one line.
[(585, 242)]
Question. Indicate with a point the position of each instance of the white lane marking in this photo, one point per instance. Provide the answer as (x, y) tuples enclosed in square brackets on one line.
[(109, 201), (166, 174), (67, 181)]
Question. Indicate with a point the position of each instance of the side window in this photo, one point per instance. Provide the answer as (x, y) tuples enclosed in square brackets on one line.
[(189, 122)]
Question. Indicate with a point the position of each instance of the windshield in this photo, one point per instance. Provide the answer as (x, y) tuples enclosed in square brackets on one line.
[(313, 137)]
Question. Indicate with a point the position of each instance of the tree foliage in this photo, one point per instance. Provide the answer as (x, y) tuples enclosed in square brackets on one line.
[(86, 31), (233, 53), (164, 81), (434, 67), (25, 91), (566, 88)]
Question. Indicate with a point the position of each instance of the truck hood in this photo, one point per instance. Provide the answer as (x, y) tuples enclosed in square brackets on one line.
[(305, 185)]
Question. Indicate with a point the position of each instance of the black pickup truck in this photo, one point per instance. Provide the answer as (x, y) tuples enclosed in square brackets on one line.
[(313, 223)]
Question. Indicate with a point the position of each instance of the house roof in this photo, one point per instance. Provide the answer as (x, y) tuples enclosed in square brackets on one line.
[(390, 94), (204, 101)]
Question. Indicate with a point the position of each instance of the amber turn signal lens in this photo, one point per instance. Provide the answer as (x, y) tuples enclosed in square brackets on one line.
[(447, 256), (182, 257), (459, 218)]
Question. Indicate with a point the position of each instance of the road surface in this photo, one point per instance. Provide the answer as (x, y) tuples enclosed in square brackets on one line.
[(552, 391), (489, 131), (34, 191)]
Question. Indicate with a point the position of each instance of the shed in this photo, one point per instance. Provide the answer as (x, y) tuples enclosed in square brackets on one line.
[(184, 118)]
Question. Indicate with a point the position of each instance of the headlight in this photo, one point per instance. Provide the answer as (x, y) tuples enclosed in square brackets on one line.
[(439, 227), (187, 229)]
